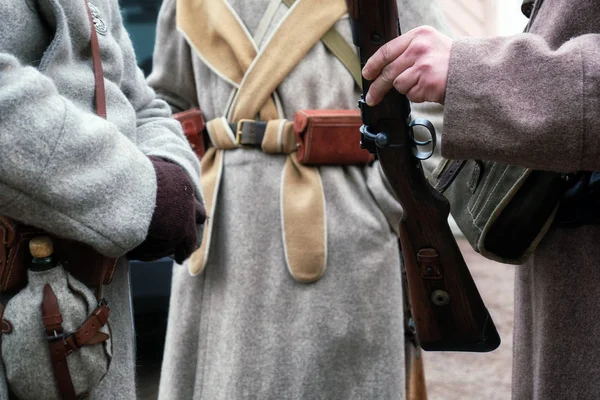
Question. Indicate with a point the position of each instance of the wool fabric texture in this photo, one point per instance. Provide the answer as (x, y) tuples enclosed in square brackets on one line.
[(533, 100)]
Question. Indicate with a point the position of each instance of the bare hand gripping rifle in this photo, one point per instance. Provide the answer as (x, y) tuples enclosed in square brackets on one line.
[(448, 311)]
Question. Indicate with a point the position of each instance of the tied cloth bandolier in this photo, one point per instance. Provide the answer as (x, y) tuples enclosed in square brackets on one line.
[(254, 116)]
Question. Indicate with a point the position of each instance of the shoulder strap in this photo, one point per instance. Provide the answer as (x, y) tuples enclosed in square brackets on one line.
[(336, 43), (100, 95)]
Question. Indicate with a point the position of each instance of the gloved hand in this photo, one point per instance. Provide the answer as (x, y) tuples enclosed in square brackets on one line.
[(173, 228)]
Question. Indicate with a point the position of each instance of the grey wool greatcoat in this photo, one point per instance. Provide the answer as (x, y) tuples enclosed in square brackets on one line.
[(244, 328), (534, 100), (66, 170)]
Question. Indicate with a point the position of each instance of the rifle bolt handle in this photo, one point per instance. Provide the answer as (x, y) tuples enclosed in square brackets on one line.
[(382, 140)]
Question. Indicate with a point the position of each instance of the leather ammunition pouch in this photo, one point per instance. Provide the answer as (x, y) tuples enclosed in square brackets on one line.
[(504, 211), (80, 260), (330, 137), (193, 125)]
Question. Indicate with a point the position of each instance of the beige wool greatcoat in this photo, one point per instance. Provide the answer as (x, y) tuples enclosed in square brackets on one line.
[(243, 328), (534, 100)]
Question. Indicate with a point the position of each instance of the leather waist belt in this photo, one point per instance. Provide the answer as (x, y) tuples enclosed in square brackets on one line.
[(321, 137)]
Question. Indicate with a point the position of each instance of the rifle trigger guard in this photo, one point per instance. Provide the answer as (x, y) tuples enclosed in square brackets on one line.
[(423, 155)]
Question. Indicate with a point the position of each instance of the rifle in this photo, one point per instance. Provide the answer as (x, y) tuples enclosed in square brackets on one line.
[(448, 311)]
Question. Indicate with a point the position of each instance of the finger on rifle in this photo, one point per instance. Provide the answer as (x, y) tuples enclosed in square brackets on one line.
[(385, 81), (385, 55)]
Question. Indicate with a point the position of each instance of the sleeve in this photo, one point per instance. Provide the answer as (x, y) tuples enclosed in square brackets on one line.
[(172, 74), (158, 134), (67, 171), (516, 101)]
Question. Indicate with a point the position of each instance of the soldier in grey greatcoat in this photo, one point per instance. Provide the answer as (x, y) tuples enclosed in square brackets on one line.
[(120, 184), (242, 327), (532, 100)]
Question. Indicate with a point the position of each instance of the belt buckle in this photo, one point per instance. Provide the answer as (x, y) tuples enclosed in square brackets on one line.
[(54, 336), (238, 133)]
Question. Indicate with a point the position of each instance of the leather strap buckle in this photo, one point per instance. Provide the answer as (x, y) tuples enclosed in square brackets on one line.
[(249, 132), (55, 336), (240, 130)]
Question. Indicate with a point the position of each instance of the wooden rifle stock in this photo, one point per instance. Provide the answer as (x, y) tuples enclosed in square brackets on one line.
[(448, 311)]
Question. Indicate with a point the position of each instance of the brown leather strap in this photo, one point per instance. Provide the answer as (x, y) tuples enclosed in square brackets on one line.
[(447, 176), (62, 344), (89, 329), (97, 62), (55, 336), (100, 94)]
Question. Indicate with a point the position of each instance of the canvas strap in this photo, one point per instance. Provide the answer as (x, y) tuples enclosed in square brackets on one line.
[(341, 49), (226, 47)]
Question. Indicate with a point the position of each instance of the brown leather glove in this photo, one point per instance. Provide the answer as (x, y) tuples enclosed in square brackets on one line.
[(173, 230)]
